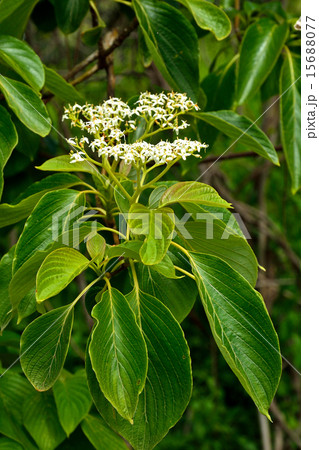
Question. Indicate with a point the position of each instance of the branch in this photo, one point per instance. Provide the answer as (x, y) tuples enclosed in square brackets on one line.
[(95, 55), (229, 156), (280, 419)]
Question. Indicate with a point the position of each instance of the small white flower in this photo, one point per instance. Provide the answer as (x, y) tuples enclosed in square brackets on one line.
[(72, 141), (77, 156)]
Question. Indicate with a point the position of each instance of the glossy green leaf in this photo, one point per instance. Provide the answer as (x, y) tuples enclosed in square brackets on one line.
[(169, 291), (193, 192), (209, 17), (26, 105), (212, 237), (5, 278), (92, 35), (241, 327), (172, 42), (118, 353), (23, 60), (14, 389), (123, 202), (63, 164), (155, 197), (157, 225), (128, 249), (243, 130), (41, 421), (168, 385), (217, 83), (290, 115), (96, 247), (27, 305), (212, 213), (143, 49), (70, 14), (10, 214), (166, 268), (24, 278), (9, 444), (260, 49), (58, 270), (72, 399), (100, 435), (10, 427), (14, 16), (8, 140), (61, 88), (44, 346), (54, 214)]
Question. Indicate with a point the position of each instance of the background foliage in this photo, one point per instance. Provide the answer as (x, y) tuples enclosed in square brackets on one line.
[(238, 57)]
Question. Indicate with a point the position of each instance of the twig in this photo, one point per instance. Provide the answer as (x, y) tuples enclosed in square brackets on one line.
[(229, 156), (280, 419), (86, 75), (95, 55)]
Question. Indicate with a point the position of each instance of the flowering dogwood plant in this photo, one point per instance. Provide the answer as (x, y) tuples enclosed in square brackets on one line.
[(145, 266)]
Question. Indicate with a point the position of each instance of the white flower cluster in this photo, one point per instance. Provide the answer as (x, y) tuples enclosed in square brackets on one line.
[(164, 108), (105, 119), (144, 152), (113, 120)]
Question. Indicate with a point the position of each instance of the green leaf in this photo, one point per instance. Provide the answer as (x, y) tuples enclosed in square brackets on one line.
[(41, 421), (10, 427), (166, 268), (61, 88), (123, 202), (8, 140), (70, 14), (209, 17), (212, 237), (155, 197), (118, 353), (10, 214), (169, 291), (128, 249), (26, 105), (193, 192), (290, 118), (44, 346), (100, 435), (96, 247), (213, 213), (14, 16), (242, 129), (24, 278), (63, 164), (168, 385), (23, 60), (58, 270), (172, 42), (54, 214), (241, 327), (9, 444), (157, 225), (260, 49), (14, 389), (72, 399), (5, 278), (92, 35), (27, 305)]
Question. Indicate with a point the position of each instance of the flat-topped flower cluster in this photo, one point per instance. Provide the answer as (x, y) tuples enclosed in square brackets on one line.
[(111, 122)]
